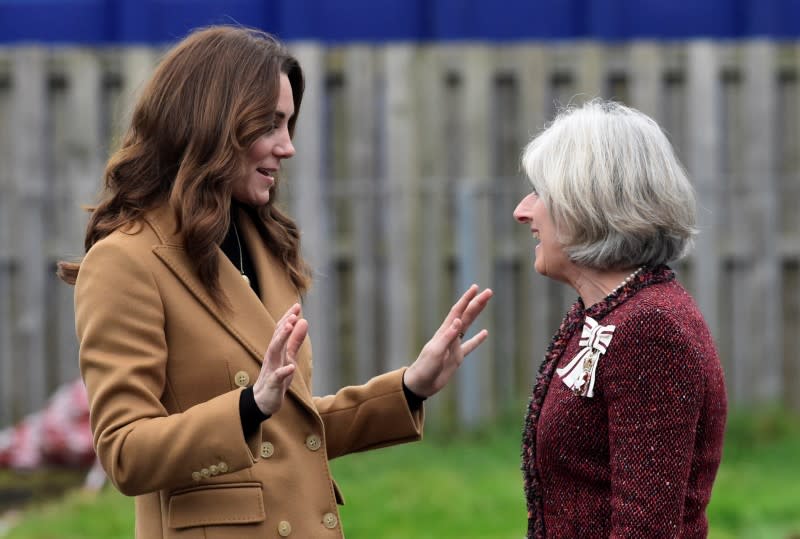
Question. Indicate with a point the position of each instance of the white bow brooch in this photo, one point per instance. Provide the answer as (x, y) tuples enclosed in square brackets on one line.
[(579, 374)]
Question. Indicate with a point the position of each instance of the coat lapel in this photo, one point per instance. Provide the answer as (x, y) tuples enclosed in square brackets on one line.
[(249, 321), (278, 293)]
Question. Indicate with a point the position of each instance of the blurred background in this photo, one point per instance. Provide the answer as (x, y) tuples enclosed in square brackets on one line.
[(406, 174)]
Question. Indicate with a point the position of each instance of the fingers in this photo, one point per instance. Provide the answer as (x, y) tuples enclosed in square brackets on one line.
[(282, 374), (293, 310), (475, 307), (279, 339), (468, 346), (467, 308), (458, 308), (296, 338)]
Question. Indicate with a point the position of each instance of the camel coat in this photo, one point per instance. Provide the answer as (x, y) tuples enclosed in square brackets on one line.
[(164, 367)]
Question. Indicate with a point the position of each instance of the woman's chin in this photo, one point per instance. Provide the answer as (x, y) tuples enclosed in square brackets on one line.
[(540, 268), (254, 200)]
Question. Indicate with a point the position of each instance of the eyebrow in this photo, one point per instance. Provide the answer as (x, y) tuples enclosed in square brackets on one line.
[(281, 115)]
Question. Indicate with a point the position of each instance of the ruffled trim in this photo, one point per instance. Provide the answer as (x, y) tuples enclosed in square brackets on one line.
[(572, 322)]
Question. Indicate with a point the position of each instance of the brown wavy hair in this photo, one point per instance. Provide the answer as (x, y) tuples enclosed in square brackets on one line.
[(211, 97)]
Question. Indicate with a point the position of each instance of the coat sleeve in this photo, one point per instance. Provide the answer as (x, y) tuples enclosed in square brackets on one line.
[(373, 415), (654, 395), (123, 356)]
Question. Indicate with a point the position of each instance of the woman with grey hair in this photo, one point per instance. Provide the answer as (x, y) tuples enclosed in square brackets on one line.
[(623, 434)]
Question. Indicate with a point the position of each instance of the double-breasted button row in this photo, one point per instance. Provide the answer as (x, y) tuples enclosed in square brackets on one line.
[(205, 473), (267, 450), (241, 379), (329, 520), (313, 442), (284, 528)]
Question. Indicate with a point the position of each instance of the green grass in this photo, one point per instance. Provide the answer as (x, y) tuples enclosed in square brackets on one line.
[(756, 494), (470, 487)]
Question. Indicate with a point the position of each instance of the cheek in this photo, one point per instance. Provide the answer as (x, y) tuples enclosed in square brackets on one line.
[(258, 151)]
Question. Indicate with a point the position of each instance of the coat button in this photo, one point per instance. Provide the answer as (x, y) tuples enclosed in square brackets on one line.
[(284, 528), (205, 472), (267, 450), (214, 469), (196, 477), (223, 467), (329, 520), (242, 379), (313, 442)]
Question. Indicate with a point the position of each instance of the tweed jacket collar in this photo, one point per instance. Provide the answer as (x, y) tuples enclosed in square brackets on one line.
[(571, 323), (251, 320)]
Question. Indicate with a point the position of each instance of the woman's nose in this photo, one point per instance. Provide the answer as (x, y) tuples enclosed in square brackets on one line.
[(285, 149), (521, 213)]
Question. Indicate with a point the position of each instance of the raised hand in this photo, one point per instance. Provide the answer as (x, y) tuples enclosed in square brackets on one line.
[(277, 369), (444, 353)]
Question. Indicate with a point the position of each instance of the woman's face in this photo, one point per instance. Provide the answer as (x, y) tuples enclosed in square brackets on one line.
[(551, 260), (265, 155)]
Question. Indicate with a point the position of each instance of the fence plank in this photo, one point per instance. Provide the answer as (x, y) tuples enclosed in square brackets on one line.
[(431, 238), (401, 181), (475, 401), (503, 187), (30, 118), (7, 210), (78, 172), (361, 88), (432, 139), (702, 162), (790, 221), (646, 70), (590, 71), (136, 66), (762, 292)]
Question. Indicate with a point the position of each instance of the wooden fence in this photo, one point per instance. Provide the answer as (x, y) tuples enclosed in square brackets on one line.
[(405, 178)]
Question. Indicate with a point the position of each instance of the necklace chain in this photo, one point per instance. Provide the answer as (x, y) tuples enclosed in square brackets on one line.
[(626, 280), (241, 258)]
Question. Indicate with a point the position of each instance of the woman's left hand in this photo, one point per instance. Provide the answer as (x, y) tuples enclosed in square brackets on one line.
[(444, 353)]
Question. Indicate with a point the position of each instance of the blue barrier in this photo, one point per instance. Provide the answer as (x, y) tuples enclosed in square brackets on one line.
[(337, 21)]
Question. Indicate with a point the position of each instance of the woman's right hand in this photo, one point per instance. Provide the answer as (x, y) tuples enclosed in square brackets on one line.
[(279, 364)]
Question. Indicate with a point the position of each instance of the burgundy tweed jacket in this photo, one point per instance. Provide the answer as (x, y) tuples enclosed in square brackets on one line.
[(637, 459)]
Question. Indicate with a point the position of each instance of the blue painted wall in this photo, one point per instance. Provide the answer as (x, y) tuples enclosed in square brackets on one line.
[(337, 21)]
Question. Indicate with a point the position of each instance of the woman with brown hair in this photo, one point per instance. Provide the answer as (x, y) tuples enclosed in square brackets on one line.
[(192, 343)]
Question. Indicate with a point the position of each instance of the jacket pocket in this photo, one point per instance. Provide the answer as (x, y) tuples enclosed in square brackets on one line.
[(210, 505)]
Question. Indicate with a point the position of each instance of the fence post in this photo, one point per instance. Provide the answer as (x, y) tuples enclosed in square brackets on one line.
[(476, 401), (78, 176), (702, 161), (365, 198), (7, 205), (436, 251), (762, 292), (29, 126), (401, 181)]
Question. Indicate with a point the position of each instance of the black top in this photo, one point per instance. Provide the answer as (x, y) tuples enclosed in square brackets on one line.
[(230, 247)]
